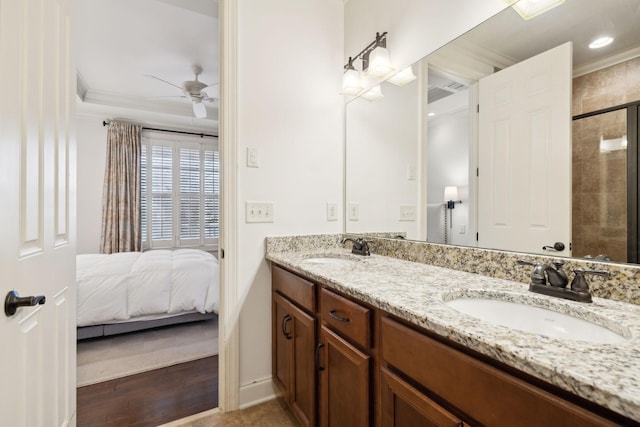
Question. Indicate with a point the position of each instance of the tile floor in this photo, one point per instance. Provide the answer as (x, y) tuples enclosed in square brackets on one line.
[(270, 414)]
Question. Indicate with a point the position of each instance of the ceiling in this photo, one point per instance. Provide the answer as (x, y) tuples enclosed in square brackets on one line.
[(121, 41), (579, 21), (506, 39)]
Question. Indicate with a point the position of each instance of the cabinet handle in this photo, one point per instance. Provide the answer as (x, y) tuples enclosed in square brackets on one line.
[(317, 357), (285, 320), (333, 315)]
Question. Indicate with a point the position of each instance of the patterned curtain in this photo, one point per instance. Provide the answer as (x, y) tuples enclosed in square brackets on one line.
[(121, 190)]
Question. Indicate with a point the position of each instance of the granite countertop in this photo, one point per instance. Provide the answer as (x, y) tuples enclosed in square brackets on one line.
[(607, 374)]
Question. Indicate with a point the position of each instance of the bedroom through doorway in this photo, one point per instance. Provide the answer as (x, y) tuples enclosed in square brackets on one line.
[(147, 317)]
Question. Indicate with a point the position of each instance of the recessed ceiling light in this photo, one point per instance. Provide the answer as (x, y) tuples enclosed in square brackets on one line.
[(601, 42)]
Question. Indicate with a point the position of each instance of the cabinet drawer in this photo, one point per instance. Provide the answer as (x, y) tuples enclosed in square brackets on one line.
[(346, 317), (297, 289), (491, 396)]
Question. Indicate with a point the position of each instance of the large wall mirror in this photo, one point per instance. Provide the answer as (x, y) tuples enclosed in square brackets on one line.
[(515, 136)]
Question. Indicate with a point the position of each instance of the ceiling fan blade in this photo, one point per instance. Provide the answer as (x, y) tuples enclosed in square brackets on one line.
[(163, 81), (199, 110), (170, 96)]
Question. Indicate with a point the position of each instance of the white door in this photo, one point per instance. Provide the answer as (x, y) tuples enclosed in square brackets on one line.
[(37, 211), (524, 155)]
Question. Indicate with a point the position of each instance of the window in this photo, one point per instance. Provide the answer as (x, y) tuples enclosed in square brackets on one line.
[(180, 192)]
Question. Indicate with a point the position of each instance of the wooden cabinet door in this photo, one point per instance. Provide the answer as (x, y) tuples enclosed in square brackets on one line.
[(303, 387), (282, 337), (344, 382), (404, 406)]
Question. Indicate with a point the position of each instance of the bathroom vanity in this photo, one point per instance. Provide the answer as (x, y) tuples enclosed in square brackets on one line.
[(361, 341)]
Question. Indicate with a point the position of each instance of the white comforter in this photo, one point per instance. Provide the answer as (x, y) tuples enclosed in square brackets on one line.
[(125, 286)]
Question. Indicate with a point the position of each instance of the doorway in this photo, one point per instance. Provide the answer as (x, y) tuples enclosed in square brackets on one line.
[(104, 105)]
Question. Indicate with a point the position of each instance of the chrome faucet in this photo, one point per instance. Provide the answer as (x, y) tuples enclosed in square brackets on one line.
[(553, 273), (359, 246), (558, 281)]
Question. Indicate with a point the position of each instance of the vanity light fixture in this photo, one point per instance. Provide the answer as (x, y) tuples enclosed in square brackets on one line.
[(375, 63), (529, 9), (402, 77), (601, 42), (351, 82), (373, 94)]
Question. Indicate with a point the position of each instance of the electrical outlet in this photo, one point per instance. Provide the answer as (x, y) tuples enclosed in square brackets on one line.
[(259, 212), (332, 211), (354, 211), (407, 213)]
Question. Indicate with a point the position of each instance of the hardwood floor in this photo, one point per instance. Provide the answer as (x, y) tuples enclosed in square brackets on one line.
[(151, 398)]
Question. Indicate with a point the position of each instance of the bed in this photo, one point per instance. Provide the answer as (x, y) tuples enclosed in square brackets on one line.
[(125, 292)]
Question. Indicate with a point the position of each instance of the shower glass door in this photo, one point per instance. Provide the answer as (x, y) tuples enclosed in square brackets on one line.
[(602, 162)]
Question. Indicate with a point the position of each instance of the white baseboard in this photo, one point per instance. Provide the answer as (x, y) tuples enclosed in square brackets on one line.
[(191, 418), (257, 392)]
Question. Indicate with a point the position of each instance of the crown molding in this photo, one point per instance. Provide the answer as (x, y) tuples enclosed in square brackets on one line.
[(606, 62)]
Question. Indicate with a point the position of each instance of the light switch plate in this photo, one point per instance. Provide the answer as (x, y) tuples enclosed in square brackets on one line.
[(354, 211), (259, 212), (253, 157), (407, 213), (332, 211)]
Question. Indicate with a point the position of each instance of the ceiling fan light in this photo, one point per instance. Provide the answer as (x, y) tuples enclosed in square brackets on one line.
[(199, 109)]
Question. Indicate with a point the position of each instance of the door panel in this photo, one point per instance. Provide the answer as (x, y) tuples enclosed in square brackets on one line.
[(524, 155), (344, 383), (37, 213)]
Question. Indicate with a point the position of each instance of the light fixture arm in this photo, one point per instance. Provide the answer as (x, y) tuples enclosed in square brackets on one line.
[(381, 40)]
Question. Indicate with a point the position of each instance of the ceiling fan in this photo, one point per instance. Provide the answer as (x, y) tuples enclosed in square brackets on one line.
[(193, 89)]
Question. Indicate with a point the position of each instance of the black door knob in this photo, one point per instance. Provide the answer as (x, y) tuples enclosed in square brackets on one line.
[(557, 246), (13, 301)]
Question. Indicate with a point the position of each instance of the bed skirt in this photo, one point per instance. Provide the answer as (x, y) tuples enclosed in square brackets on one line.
[(95, 331)]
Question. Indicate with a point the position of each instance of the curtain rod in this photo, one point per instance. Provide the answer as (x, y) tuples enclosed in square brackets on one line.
[(201, 135)]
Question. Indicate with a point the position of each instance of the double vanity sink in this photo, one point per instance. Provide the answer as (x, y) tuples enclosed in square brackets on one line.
[(587, 349)]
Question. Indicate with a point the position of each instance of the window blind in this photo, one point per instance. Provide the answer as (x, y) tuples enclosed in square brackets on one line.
[(180, 193)]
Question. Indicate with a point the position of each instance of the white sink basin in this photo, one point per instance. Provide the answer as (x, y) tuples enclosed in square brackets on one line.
[(331, 259), (535, 320)]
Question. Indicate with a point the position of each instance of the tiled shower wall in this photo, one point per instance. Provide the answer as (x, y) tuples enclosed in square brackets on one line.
[(599, 177)]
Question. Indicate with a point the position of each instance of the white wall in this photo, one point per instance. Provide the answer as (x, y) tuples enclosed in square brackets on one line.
[(384, 141), (289, 108), (91, 139), (448, 164)]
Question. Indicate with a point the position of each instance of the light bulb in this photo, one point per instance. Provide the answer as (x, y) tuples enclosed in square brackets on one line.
[(379, 63), (351, 82)]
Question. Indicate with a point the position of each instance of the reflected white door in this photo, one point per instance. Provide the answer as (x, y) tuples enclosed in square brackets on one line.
[(37, 211), (524, 155)]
